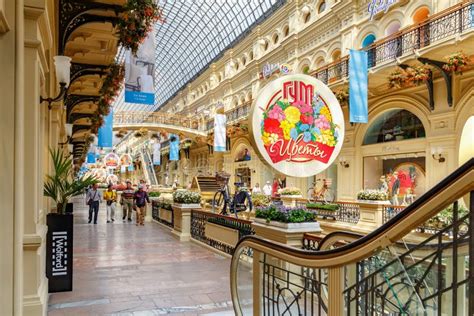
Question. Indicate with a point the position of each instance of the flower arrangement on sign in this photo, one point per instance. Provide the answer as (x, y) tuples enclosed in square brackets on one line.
[(456, 62), (259, 200), (411, 76), (137, 21), (285, 214), (342, 95), (289, 191), (372, 195), (287, 124), (186, 197)]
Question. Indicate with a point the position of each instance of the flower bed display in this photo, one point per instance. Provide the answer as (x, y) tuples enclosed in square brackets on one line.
[(137, 21), (260, 200), (285, 214), (372, 195), (410, 76), (285, 123), (456, 62), (186, 197), (290, 192)]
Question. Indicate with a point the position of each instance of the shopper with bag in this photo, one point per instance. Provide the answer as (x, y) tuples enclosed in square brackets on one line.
[(110, 197), (140, 198), (93, 199)]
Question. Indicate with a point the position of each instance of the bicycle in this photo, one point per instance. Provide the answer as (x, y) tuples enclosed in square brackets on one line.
[(241, 201), (325, 194)]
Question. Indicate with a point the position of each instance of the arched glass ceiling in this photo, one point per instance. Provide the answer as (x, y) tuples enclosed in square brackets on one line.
[(196, 33)]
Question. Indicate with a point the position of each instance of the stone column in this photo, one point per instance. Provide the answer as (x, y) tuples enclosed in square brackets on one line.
[(182, 220)]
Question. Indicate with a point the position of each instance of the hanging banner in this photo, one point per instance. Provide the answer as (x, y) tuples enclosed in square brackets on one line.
[(139, 73), (111, 160), (174, 147), (105, 134), (297, 125), (125, 160), (90, 157), (358, 85), (156, 154), (220, 121)]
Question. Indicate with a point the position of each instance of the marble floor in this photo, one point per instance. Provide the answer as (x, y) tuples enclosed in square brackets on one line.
[(123, 269)]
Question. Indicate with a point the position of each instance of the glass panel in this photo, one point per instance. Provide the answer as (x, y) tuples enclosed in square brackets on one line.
[(394, 125)]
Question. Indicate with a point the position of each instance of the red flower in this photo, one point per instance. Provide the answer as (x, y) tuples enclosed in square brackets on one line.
[(272, 126), (306, 119)]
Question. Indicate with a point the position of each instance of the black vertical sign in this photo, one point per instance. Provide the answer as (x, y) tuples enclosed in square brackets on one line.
[(59, 252)]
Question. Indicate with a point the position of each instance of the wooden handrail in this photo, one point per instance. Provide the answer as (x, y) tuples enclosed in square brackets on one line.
[(228, 218)]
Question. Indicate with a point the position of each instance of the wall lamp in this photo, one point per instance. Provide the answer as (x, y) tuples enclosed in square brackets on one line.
[(343, 162), (437, 154), (63, 75)]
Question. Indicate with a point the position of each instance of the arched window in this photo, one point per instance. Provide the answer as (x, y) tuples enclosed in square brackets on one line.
[(392, 28), (275, 39), (265, 46), (322, 7), (421, 14), (244, 61), (305, 69), (368, 40), (394, 125), (307, 17), (286, 31), (251, 56), (336, 55)]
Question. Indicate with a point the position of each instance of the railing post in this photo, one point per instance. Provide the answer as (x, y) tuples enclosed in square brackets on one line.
[(257, 286), (335, 291)]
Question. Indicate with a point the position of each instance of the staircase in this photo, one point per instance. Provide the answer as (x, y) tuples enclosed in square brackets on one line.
[(390, 271), (148, 169)]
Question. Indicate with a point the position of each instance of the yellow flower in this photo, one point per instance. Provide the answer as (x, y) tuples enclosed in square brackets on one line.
[(292, 114), (266, 138), (273, 138), (286, 126), (325, 111)]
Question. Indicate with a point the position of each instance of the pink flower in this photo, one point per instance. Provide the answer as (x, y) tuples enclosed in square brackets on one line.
[(276, 113), (303, 107), (322, 123)]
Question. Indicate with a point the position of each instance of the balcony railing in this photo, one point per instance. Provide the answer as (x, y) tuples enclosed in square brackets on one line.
[(455, 20)]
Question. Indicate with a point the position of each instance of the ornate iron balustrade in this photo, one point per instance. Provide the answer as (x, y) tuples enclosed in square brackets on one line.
[(238, 113), (419, 280), (455, 21), (389, 211), (199, 219), (311, 242), (155, 213), (155, 118), (209, 125)]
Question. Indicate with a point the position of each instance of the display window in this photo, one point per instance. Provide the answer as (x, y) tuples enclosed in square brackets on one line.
[(403, 179), (243, 155)]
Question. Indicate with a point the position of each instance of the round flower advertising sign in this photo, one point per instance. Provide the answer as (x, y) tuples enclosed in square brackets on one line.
[(298, 125)]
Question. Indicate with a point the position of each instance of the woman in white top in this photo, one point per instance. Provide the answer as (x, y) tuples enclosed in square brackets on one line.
[(256, 189)]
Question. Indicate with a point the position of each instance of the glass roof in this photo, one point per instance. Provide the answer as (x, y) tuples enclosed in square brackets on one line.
[(195, 34)]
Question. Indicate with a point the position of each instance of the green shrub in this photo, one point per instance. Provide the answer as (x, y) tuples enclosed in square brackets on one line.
[(154, 194), (285, 214), (321, 206)]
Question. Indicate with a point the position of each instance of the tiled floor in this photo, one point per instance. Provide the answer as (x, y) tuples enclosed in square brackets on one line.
[(122, 269)]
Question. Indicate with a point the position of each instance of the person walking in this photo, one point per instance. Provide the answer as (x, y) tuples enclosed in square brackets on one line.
[(127, 201), (140, 198), (110, 197), (93, 199)]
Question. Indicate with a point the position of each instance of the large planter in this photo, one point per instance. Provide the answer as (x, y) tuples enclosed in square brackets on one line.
[(377, 202), (290, 200), (59, 252), (69, 208), (287, 233), (182, 220)]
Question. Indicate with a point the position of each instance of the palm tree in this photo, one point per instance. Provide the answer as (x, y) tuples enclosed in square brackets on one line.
[(62, 185)]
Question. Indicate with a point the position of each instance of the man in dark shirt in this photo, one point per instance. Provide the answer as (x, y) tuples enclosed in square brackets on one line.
[(127, 201), (141, 198)]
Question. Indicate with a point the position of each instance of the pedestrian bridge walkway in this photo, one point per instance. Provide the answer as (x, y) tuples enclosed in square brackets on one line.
[(124, 269)]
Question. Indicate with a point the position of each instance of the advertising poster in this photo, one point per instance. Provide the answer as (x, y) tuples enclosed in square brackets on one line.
[(156, 154), (111, 160), (125, 160), (139, 73), (174, 147), (297, 125), (220, 121), (358, 81)]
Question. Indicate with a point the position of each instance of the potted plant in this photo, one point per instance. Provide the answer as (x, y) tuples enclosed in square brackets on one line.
[(286, 217), (456, 62), (185, 198), (373, 196), (61, 186), (184, 202)]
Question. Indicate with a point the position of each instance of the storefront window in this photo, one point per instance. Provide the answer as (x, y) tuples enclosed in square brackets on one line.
[(394, 125), (243, 155), (402, 178)]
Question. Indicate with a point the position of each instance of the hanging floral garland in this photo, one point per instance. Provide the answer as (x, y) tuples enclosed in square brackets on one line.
[(456, 62), (409, 77), (137, 21), (342, 96)]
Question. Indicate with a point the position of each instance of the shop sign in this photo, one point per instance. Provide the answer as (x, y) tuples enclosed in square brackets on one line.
[(125, 160), (377, 6), (111, 160), (270, 69), (297, 125)]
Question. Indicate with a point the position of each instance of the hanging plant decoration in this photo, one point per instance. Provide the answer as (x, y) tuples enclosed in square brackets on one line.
[(456, 63), (137, 21), (110, 88), (97, 121), (342, 95), (141, 132), (409, 77), (155, 136)]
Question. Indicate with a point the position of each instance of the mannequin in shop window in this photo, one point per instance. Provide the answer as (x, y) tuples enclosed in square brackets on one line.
[(395, 189)]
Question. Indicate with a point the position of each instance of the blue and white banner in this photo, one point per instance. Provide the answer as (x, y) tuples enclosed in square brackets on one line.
[(220, 121), (174, 147), (90, 157), (131, 168), (139, 73), (358, 85), (105, 134), (157, 153)]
